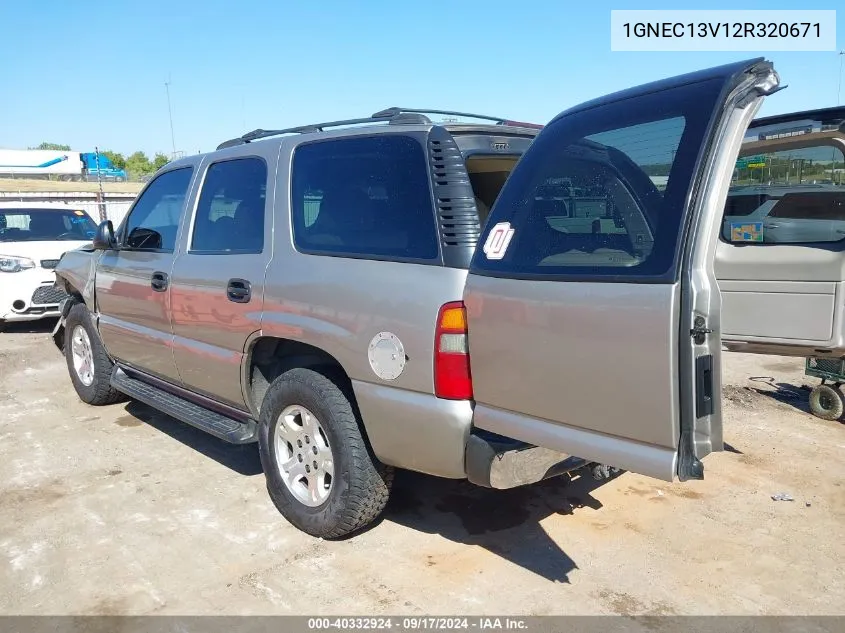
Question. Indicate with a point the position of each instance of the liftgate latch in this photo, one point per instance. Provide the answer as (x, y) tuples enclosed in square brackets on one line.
[(703, 370)]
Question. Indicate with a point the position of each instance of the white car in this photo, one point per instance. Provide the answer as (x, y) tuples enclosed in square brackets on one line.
[(33, 237)]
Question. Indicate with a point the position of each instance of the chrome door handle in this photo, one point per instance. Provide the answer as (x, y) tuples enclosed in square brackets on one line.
[(159, 281), (239, 290)]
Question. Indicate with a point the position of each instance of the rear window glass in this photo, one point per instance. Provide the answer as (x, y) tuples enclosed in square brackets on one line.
[(739, 205), (822, 205), (364, 197), (602, 192), (45, 225)]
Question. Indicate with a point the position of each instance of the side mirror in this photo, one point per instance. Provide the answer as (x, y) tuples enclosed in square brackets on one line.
[(104, 239), (139, 237)]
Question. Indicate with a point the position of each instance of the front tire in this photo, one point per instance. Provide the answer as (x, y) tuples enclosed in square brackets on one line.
[(320, 472), (87, 362)]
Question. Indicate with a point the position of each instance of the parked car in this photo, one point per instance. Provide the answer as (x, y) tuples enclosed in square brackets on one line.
[(781, 259), (337, 293), (33, 237), (785, 214)]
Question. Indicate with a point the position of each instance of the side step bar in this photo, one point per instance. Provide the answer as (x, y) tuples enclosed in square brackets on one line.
[(218, 425)]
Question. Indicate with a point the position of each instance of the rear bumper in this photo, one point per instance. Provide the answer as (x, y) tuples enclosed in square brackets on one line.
[(794, 349), (623, 453), (495, 461), (421, 432), (413, 430)]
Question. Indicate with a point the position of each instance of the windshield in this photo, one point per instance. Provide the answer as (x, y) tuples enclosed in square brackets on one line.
[(45, 225)]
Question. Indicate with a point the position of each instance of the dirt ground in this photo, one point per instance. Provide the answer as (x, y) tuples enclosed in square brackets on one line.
[(120, 510), (40, 184)]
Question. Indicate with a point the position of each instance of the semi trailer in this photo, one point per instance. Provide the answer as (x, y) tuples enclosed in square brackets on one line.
[(37, 163)]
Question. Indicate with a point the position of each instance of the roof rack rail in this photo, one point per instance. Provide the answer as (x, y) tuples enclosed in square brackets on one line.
[(399, 117), (302, 129), (392, 115), (394, 111)]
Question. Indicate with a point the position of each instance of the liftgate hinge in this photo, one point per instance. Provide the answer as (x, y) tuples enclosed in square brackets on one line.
[(699, 331)]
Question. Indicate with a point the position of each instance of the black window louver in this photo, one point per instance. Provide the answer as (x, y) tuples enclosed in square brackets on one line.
[(453, 195)]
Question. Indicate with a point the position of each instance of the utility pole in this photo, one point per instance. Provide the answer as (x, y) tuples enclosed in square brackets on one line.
[(839, 89), (101, 196), (170, 114)]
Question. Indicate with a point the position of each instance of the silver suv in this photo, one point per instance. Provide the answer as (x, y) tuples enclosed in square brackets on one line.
[(785, 214), (319, 290)]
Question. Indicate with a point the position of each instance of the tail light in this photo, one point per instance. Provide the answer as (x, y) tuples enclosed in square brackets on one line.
[(452, 379)]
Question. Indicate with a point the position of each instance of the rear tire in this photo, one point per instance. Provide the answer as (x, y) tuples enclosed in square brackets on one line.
[(87, 362), (325, 481), (827, 403)]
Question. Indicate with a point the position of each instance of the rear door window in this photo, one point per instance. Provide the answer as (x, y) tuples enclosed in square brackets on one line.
[(231, 208), (364, 197), (602, 197)]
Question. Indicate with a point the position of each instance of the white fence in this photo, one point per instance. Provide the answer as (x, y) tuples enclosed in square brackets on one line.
[(116, 204)]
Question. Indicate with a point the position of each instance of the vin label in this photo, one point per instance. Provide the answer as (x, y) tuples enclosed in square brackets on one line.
[(756, 31)]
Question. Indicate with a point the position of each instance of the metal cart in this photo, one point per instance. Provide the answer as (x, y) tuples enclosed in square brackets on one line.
[(827, 400)]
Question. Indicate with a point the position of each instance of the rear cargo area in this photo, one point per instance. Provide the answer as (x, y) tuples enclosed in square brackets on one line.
[(487, 175)]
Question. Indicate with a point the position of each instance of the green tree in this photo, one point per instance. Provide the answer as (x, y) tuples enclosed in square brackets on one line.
[(116, 158), (160, 161), (53, 146), (138, 164)]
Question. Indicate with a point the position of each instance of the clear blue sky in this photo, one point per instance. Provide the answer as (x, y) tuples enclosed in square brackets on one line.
[(92, 73)]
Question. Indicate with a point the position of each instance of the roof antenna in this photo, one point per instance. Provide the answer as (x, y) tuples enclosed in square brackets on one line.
[(170, 114)]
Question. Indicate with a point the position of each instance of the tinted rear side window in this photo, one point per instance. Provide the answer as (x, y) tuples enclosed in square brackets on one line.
[(601, 193), (363, 197), (230, 212)]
